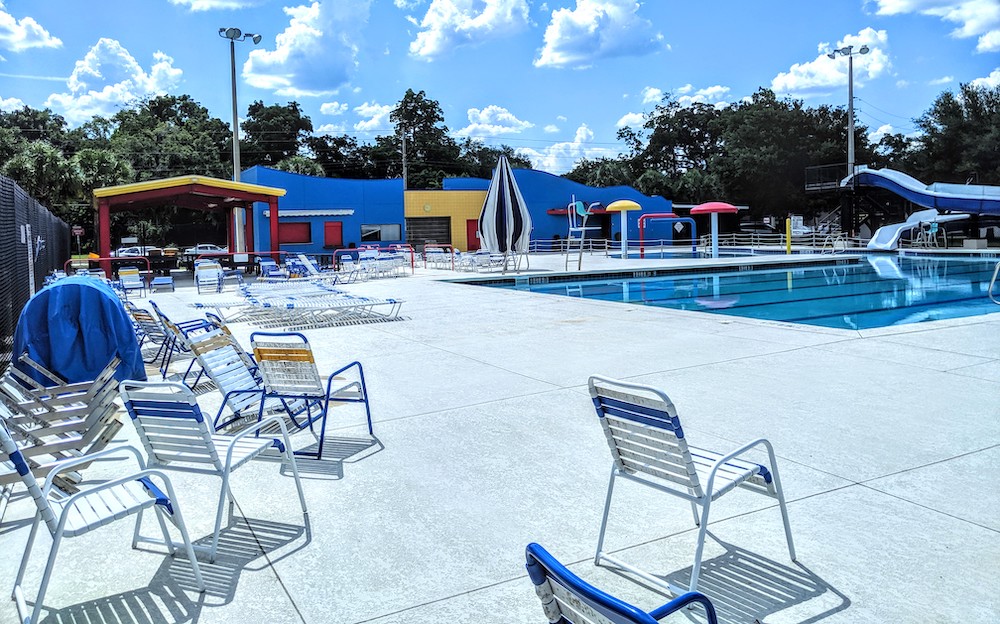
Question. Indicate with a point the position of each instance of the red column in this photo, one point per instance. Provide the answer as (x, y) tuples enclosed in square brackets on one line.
[(272, 203), (248, 226), (104, 233)]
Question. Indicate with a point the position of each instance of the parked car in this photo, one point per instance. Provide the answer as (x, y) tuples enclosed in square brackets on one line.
[(205, 248), (132, 251)]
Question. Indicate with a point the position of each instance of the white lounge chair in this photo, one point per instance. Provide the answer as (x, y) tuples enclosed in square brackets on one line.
[(177, 436), (649, 447)]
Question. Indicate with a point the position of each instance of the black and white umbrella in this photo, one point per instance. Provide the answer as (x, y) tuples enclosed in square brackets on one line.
[(504, 224)]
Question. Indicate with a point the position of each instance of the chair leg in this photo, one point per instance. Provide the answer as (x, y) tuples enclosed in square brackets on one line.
[(780, 495), (27, 553), (47, 574), (290, 458), (223, 496), (700, 549), (178, 521), (604, 519)]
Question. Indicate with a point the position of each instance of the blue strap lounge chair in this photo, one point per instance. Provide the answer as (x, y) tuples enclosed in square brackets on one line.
[(649, 447), (177, 436), (567, 599), (90, 508)]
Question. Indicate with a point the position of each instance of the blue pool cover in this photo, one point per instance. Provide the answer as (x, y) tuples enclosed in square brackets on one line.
[(74, 327)]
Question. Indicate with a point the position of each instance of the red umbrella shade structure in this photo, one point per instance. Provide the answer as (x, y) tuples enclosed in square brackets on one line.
[(714, 209)]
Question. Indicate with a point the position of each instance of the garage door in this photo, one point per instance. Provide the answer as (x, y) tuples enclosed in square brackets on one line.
[(419, 230)]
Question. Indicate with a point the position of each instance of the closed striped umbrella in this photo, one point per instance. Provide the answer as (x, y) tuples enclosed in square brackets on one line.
[(504, 224)]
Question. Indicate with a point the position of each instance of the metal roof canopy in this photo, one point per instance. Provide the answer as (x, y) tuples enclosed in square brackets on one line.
[(191, 192)]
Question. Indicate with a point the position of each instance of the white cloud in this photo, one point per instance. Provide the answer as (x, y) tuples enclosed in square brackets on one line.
[(560, 117), (974, 18), (211, 5), (23, 34), (561, 157), (331, 129), (10, 104), (551, 128), (631, 119), (491, 121), (989, 82), (315, 54), (990, 42), (452, 23), (709, 95), (876, 135), (651, 95), (375, 117), (821, 75), (407, 5), (107, 78), (597, 29), (901, 84), (333, 108), (942, 80)]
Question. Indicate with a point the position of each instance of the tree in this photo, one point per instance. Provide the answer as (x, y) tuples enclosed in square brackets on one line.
[(479, 160), (431, 153), (302, 165), (38, 125), (45, 174), (273, 133), (961, 137), (340, 156), (170, 135)]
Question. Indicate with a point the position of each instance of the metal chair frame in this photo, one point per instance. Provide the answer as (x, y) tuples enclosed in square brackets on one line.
[(649, 447), (566, 598), (91, 508)]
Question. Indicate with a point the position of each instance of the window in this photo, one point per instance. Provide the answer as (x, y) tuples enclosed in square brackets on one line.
[(333, 234), (385, 232), (294, 233)]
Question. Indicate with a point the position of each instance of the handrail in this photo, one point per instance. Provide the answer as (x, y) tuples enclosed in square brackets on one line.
[(996, 271)]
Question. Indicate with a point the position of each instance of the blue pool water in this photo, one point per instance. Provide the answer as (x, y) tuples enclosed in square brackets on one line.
[(878, 291)]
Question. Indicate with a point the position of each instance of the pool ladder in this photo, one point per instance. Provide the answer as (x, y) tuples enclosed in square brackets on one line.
[(993, 280)]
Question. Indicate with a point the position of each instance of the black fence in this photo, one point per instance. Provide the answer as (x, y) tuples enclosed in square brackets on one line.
[(17, 209)]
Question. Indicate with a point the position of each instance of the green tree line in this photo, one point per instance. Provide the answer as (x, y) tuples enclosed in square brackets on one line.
[(754, 151)]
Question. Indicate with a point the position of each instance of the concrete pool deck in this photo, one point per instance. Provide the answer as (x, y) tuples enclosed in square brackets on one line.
[(888, 442)]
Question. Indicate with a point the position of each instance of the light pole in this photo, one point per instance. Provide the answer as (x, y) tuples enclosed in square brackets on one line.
[(849, 52), (234, 35)]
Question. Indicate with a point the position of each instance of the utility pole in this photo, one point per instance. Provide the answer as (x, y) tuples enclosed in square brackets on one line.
[(403, 136)]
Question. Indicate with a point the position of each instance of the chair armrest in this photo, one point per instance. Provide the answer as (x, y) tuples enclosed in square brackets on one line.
[(682, 601), (732, 455), (333, 375), (254, 429), (66, 464), (135, 476)]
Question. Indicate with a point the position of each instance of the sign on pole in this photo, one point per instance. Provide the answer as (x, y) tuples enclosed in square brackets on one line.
[(77, 230)]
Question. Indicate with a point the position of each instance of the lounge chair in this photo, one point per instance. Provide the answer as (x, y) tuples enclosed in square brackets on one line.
[(131, 280), (566, 598), (90, 508), (649, 447), (289, 372), (176, 436)]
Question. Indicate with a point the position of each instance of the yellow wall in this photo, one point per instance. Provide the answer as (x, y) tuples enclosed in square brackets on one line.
[(459, 205)]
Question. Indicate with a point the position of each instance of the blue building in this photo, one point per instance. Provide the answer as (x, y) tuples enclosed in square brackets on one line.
[(320, 215)]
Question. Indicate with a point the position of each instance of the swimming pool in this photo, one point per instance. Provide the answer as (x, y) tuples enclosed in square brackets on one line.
[(878, 291)]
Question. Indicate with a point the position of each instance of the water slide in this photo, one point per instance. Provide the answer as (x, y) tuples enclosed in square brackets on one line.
[(887, 236), (962, 198)]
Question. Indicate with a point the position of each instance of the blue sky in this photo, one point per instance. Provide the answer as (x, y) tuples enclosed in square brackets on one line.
[(554, 79)]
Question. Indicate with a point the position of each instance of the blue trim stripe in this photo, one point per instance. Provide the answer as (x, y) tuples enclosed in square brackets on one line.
[(164, 409), (764, 472), (278, 444), (19, 464), (638, 413), (157, 493)]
